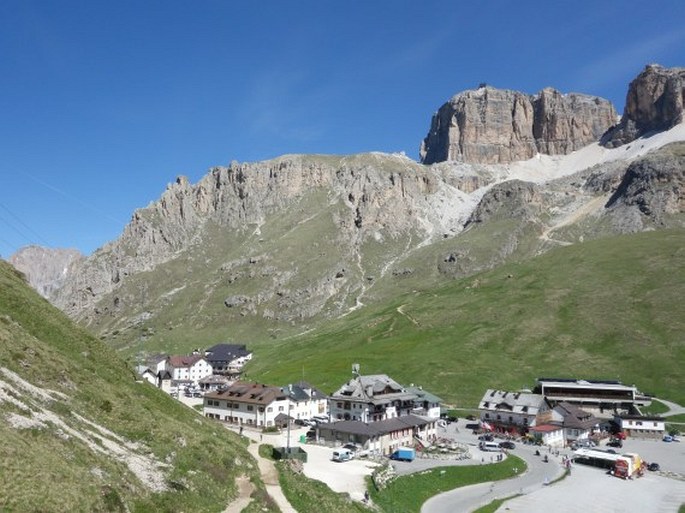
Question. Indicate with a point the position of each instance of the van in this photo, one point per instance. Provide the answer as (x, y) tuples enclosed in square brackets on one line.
[(342, 455), (489, 446)]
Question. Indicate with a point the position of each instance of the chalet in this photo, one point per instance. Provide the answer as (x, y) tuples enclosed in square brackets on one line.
[(425, 404), (214, 382), (252, 404), (641, 426), (227, 359), (187, 369), (551, 435), (381, 437), (306, 401), (576, 424), (510, 411), (371, 398), (147, 374)]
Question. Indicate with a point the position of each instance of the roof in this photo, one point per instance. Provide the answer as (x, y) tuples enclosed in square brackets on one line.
[(378, 428), (215, 379), (251, 393), (585, 383), (179, 362), (640, 417), (545, 428), (424, 395), (375, 389), (575, 417), (226, 352), (303, 391), (524, 403)]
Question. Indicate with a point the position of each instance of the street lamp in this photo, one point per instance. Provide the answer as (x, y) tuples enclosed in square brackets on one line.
[(287, 450)]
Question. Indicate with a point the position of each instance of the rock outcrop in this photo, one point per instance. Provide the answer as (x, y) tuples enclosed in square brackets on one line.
[(492, 126), (655, 102), (654, 184)]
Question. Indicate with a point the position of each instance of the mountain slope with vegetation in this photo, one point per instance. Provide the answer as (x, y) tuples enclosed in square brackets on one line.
[(80, 433), (610, 308)]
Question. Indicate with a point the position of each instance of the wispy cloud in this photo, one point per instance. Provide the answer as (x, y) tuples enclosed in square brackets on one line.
[(284, 103), (613, 67)]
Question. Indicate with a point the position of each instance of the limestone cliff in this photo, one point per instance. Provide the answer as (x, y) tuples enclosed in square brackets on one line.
[(491, 126), (45, 269), (655, 102)]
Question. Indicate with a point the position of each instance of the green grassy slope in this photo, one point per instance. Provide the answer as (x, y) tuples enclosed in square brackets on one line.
[(610, 308), (89, 444)]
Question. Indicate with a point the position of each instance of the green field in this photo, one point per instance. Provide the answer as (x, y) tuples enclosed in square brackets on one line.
[(611, 308)]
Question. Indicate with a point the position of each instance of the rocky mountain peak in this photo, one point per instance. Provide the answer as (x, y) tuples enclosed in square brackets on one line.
[(655, 102), (492, 126), (45, 269)]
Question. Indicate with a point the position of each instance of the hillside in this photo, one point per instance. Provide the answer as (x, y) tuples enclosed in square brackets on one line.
[(609, 308), (81, 434)]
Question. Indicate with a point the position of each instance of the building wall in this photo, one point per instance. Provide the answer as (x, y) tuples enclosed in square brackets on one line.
[(195, 372), (234, 411), (643, 428)]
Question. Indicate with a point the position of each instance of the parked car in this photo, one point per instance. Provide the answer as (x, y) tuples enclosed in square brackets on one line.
[(653, 466), (615, 442), (300, 422), (487, 437), (342, 455), (507, 445), (667, 438)]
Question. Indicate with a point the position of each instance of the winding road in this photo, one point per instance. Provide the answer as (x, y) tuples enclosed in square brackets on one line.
[(472, 497)]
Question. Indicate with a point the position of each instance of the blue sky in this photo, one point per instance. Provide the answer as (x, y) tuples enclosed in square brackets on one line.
[(104, 103)]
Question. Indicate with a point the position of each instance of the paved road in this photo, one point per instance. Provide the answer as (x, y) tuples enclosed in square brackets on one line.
[(675, 409), (472, 497)]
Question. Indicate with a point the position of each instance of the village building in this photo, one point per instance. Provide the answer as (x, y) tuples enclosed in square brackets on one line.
[(374, 398), (252, 404), (604, 398), (425, 404), (548, 434), (147, 374), (261, 405), (641, 426), (307, 401), (574, 424), (187, 369), (214, 382), (510, 412), (380, 437), (227, 359)]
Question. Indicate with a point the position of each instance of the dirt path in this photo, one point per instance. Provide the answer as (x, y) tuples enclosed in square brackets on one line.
[(245, 489), (585, 209), (402, 312), (270, 478)]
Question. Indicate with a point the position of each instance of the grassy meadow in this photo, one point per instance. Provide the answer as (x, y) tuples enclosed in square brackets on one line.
[(609, 308), (72, 443)]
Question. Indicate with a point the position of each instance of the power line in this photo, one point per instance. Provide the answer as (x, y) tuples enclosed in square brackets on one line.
[(36, 235)]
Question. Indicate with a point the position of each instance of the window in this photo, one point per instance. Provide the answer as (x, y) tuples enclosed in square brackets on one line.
[(280, 408), (250, 407), (269, 409)]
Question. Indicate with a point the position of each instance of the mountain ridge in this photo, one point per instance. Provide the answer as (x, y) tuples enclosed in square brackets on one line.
[(272, 248)]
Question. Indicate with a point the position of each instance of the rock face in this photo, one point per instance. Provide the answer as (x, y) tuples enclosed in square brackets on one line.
[(492, 126), (655, 185), (45, 269), (655, 102)]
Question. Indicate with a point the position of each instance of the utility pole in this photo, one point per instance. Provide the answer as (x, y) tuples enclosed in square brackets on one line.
[(290, 393)]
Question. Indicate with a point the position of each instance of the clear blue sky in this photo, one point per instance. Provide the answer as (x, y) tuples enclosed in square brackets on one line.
[(105, 102)]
